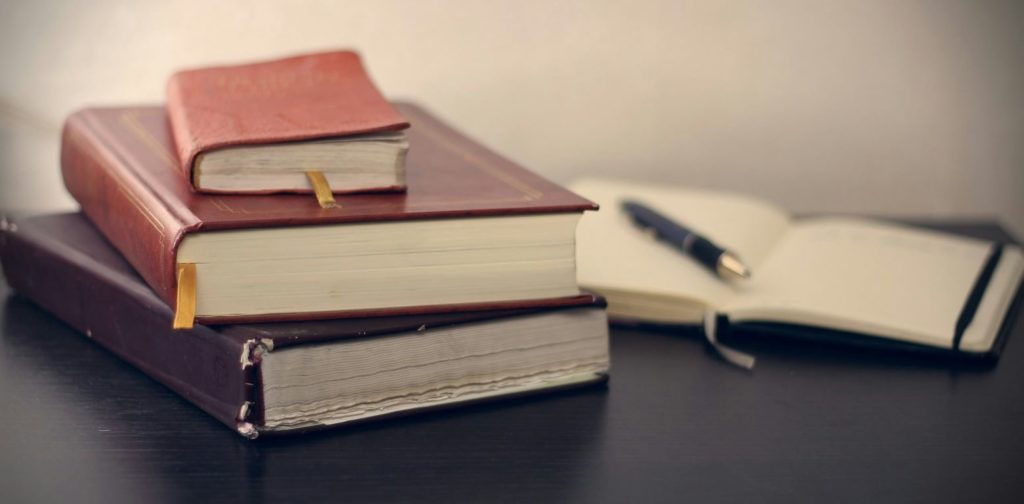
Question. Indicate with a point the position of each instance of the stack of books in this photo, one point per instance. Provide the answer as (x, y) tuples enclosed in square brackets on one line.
[(288, 250)]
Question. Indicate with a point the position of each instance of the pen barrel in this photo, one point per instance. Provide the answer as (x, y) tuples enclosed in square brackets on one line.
[(664, 229), (704, 251)]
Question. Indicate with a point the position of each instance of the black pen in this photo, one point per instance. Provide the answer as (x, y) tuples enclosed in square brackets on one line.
[(724, 263)]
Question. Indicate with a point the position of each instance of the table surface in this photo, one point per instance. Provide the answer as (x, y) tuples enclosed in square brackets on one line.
[(811, 423)]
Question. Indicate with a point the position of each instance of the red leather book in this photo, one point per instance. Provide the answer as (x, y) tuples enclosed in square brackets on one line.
[(61, 263), (309, 97), (118, 163)]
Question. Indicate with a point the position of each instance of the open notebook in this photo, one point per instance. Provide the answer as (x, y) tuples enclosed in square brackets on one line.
[(841, 276)]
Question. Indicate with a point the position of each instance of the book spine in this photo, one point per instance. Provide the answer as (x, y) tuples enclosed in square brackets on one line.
[(185, 145), (122, 206), (202, 365)]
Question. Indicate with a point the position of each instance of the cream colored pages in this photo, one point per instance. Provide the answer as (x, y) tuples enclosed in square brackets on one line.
[(615, 259), (878, 279)]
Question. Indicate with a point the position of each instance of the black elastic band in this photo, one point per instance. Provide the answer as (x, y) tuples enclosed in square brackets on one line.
[(977, 292)]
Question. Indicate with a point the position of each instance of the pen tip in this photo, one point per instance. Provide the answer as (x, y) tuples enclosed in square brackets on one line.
[(730, 267)]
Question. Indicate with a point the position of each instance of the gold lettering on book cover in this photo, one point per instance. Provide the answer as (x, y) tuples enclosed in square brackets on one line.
[(131, 120), (219, 203), (131, 197)]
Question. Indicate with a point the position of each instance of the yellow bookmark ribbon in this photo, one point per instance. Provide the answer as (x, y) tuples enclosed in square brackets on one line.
[(185, 310), (323, 191)]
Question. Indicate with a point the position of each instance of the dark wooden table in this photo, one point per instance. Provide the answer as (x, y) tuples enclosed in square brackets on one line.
[(811, 423)]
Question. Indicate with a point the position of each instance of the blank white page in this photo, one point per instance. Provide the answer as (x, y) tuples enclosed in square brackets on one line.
[(614, 256), (873, 278)]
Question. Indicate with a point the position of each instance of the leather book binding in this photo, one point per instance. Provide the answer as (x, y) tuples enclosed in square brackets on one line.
[(119, 164), (308, 97), (61, 263)]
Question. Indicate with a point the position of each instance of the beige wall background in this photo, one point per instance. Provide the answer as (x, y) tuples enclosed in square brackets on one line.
[(902, 108)]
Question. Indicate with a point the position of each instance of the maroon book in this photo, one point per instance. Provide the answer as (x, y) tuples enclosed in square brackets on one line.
[(64, 265), (120, 165), (301, 98)]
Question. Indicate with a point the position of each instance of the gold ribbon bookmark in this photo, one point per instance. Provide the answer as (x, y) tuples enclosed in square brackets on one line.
[(323, 191), (185, 311)]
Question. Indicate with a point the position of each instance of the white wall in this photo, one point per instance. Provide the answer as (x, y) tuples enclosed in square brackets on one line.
[(876, 107)]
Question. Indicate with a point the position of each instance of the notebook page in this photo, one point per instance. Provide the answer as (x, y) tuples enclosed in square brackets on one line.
[(866, 277), (613, 255)]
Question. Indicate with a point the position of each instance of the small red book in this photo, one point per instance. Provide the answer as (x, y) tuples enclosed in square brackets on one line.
[(473, 230), (259, 128)]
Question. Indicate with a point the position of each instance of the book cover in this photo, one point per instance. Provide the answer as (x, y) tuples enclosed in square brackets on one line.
[(119, 165), (306, 97), (64, 265)]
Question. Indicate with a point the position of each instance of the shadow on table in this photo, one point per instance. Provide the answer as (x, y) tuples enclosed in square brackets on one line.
[(778, 347)]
